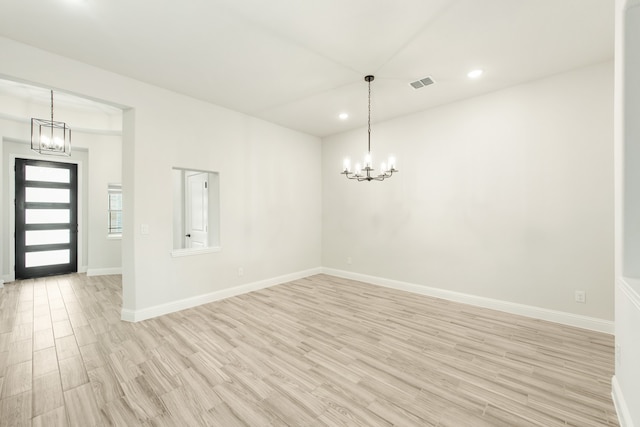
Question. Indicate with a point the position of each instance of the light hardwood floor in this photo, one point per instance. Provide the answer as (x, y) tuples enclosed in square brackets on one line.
[(314, 352)]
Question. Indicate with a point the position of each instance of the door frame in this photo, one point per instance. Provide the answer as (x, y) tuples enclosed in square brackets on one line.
[(12, 211), (22, 207)]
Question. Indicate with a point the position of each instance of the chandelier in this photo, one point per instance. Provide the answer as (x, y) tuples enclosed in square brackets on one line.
[(49, 137), (366, 173)]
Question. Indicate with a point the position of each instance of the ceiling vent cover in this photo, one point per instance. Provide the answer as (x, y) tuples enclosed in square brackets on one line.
[(426, 81)]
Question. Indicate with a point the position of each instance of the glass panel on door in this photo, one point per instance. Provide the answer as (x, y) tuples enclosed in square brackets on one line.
[(46, 237), (47, 174), (47, 195), (47, 216), (42, 258)]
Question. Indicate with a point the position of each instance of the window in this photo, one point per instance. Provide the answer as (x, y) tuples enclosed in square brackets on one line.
[(115, 210)]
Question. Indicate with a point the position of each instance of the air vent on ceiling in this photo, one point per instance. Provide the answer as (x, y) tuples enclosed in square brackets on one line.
[(426, 81)]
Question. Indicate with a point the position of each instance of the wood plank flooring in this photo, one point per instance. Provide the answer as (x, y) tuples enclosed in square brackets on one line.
[(320, 351)]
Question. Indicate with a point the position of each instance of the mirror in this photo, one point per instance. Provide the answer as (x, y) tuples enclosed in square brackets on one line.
[(196, 210)]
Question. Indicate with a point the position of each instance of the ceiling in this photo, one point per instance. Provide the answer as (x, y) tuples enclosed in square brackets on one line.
[(300, 63)]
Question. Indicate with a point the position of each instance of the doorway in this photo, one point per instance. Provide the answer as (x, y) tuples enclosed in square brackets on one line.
[(46, 218)]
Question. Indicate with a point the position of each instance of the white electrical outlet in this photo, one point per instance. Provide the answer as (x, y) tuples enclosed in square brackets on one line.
[(349, 260), (581, 297)]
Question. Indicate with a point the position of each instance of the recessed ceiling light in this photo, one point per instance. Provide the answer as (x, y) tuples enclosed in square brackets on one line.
[(343, 116), (474, 74)]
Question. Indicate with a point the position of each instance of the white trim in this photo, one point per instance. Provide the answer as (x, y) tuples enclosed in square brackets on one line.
[(129, 315), (570, 319), (195, 251), (82, 269), (624, 417), (171, 307), (584, 322), (103, 271), (1, 283), (11, 277), (630, 288)]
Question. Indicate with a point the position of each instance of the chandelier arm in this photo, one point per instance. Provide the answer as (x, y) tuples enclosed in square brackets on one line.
[(350, 175)]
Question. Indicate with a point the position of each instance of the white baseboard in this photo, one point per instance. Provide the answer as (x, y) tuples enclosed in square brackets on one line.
[(103, 271), (624, 417), (8, 278), (171, 307), (1, 283), (570, 319)]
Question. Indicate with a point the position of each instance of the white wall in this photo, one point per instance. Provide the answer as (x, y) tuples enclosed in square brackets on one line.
[(269, 217), (506, 196), (269, 193), (105, 167), (626, 382)]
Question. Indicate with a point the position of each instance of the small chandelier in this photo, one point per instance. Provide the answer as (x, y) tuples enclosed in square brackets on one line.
[(366, 173), (49, 137)]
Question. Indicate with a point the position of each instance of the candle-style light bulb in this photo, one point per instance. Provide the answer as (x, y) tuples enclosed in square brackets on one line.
[(383, 168), (44, 141), (357, 170), (392, 163), (367, 160), (347, 165)]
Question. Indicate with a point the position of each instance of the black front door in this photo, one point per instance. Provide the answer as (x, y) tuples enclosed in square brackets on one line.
[(46, 218)]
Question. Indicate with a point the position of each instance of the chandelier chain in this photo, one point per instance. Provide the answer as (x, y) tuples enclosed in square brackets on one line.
[(51, 114), (369, 122)]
